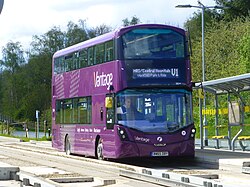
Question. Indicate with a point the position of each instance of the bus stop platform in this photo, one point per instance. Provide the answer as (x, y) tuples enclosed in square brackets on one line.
[(224, 158)]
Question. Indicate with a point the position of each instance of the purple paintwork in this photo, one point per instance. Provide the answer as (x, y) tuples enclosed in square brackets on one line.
[(83, 141), (94, 81)]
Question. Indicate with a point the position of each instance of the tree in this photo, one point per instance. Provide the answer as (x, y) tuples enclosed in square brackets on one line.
[(12, 60), (134, 20), (193, 24), (224, 52), (244, 49), (234, 8), (37, 86), (102, 29), (76, 33), (48, 43), (12, 56)]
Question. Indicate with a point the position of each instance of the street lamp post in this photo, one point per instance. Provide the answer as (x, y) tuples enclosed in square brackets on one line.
[(203, 8), (1, 5)]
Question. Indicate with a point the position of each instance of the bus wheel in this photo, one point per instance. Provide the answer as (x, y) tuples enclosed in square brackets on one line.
[(99, 150), (67, 146)]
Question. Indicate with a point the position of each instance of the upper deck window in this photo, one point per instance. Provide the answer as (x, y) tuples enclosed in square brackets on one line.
[(153, 43), (88, 56)]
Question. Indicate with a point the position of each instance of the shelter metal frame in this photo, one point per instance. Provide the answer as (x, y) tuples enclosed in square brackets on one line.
[(229, 85)]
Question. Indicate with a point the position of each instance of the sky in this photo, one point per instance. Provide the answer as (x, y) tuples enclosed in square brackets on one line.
[(22, 19)]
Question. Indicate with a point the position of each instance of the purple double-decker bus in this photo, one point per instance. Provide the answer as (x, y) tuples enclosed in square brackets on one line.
[(127, 93)]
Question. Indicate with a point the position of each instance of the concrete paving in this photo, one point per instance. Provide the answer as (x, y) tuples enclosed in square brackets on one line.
[(221, 158), (10, 183), (7, 175)]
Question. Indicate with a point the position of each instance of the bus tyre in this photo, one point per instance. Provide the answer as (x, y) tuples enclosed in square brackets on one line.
[(67, 146), (99, 150)]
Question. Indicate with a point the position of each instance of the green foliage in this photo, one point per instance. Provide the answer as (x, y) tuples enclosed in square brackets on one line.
[(193, 24), (134, 20), (44, 138), (48, 43), (13, 56), (12, 62), (234, 9), (227, 50), (6, 129), (76, 33), (24, 139), (244, 49), (222, 50), (26, 87), (99, 30)]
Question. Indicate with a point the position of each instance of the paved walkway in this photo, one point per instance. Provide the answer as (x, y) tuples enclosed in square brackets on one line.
[(218, 158)]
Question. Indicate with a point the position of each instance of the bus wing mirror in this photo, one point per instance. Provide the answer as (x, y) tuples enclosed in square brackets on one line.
[(111, 88), (108, 102)]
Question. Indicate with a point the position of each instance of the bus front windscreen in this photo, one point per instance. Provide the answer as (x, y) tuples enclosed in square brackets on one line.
[(154, 111), (153, 43)]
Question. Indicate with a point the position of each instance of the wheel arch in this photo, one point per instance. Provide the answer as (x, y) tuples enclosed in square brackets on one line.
[(98, 137), (65, 139)]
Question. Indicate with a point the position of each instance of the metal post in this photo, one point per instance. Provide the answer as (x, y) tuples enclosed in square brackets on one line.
[(201, 124), (37, 123), (216, 120), (203, 70), (8, 128), (44, 127), (203, 44), (229, 125), (1, 5)]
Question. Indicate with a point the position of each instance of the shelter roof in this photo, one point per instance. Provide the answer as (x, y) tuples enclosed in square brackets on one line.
[(227, 85)]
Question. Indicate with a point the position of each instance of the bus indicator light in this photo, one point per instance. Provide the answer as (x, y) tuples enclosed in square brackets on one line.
[(108, 102)]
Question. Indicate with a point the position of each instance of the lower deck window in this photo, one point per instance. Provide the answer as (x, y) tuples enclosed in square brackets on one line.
[(72, 111)]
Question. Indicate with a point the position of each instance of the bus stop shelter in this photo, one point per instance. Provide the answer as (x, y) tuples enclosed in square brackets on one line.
[(228, 86)]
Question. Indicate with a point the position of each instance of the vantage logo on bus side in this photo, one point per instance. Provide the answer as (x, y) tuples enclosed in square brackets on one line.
[(102, 79)]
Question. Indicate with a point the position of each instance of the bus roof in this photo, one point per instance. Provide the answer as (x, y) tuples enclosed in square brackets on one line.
[(84, 44), (109, 36)]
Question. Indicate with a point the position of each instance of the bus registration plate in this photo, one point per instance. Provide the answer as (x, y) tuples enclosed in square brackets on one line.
[(159, 153)]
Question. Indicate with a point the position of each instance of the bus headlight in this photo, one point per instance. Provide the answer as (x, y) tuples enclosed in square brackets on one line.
[(192, 134), (122, 134)]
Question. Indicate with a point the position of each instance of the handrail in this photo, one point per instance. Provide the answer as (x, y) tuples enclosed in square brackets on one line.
[(235, 138)]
